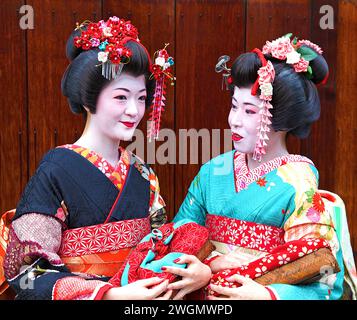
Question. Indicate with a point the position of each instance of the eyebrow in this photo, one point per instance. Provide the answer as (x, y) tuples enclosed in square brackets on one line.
[(246, 103), (127, 90)]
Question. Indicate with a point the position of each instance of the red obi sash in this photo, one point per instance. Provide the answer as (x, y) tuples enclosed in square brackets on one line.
[(102, 249), (243, 233)]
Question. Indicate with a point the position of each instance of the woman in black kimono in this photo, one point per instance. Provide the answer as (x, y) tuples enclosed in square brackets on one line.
[(90, 202)]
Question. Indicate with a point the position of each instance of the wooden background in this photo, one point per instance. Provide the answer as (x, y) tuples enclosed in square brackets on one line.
[(35, 116)]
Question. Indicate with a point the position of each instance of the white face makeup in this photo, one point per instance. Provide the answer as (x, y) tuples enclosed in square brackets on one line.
[(244, 119), (120, 107)]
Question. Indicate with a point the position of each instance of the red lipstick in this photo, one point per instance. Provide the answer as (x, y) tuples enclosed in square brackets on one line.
[(128, 124), (236, 137)]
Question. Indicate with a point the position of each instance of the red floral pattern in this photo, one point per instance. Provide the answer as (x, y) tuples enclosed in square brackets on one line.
[(281, 255), (317, 202), (261, 182), (104, 237), (243, 233)]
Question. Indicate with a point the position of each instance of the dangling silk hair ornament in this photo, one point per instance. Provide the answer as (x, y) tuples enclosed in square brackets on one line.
[(266, 75), (161, 71)]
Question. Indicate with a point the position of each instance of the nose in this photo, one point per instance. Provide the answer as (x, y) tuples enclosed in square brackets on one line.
[(236, 119), (131, 108)]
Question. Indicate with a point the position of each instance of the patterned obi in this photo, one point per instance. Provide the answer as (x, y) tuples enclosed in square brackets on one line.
[(244, 234), (102, 249)]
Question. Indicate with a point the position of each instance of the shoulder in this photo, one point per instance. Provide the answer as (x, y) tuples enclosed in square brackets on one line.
[(301, 173), (59, 156), (60, 159)]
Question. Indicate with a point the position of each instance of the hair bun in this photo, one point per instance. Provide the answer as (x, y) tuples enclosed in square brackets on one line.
[(71, 50), (319, 68)]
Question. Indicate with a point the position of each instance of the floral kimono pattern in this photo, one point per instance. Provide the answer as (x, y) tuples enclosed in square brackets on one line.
[(258, 211), (78, 219)]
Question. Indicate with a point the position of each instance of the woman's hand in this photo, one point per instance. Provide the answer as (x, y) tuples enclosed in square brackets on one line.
[(229, 261), (140, 290), (250, 290), (195, 276)]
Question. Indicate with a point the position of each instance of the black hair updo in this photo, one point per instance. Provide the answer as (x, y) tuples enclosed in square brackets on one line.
[(295, 101), (82, 81)]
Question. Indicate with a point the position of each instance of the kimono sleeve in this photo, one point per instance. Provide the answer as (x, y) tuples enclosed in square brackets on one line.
[(194, 205), (34, 269), (310, 219), (43, 193)]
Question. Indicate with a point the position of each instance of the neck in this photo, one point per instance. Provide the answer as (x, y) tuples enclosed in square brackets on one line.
[(99, 143), (276, 148)]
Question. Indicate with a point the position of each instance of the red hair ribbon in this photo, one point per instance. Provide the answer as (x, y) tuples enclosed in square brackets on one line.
[(324, 81), (264, 63)]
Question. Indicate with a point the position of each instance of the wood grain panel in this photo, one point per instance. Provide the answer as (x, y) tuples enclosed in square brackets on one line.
[(345, 167), (323, 138), (51, 122), (155, 20), (13, 115), (205, 30)]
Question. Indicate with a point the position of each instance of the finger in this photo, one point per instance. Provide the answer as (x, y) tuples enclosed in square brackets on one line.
[(238, 278), (178, 285), (178, 271), (166, 296), (187, 258), (158, 289), (222, 290), (150, 281), (180, 294)]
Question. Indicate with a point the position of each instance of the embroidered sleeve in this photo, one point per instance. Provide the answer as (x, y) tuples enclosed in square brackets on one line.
[(157, 210), (194, 205), (34, 269), (310, 219)]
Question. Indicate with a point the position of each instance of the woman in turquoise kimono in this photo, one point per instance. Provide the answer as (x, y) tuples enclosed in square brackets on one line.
[(259, 197), (89, 203)]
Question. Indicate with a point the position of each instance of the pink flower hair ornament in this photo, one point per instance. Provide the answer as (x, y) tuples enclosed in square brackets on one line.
[(283, 49), (296, 52)]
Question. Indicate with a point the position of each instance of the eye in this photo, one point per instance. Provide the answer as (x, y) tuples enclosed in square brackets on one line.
[(142, 98), (121, 98), (250, 111), (234, 107)]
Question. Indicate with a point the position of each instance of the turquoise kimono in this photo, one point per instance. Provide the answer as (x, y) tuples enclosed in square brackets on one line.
[(281, 195)]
